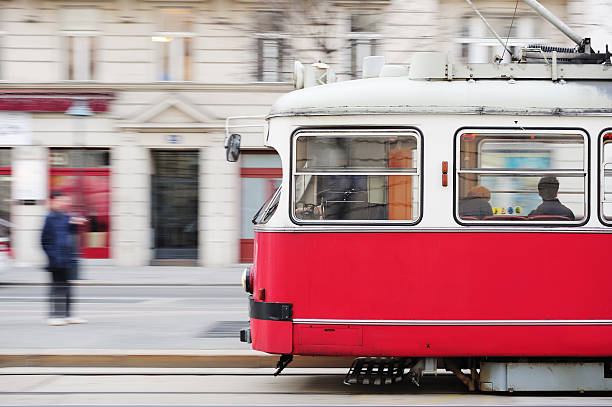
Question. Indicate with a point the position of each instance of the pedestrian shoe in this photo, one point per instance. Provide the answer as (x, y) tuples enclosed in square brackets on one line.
[(75, 320), (56, 321)]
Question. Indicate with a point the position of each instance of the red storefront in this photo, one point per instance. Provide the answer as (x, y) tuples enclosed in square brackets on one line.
[(82, 173)]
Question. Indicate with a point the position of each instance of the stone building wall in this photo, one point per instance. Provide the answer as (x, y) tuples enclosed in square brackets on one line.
[(225, 35)]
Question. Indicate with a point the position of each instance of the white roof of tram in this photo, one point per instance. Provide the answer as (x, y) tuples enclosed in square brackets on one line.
[(402, 95)]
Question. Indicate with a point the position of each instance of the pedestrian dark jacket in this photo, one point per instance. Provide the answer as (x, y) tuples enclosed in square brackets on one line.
[(58, 241), (477, 207), (554, 208)]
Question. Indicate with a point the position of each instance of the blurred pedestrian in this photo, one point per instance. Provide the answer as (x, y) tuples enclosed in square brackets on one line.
[(60, 244)]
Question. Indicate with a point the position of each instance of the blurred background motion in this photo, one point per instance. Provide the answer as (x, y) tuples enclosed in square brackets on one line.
[(122, 105)]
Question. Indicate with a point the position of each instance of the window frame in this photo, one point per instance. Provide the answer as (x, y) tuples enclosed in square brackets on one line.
[(355, 67), (601, 176), (187, 46), (522, 131), (281, 40), (357, 131), (266, 31), (69, 35), (70, 73), (354, 34)]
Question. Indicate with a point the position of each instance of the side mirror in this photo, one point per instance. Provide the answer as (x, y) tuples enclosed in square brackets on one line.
[(232, 148)]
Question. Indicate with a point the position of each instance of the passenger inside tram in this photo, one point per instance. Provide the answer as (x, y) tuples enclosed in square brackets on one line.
[(476, 204), (551, 206), (342, 197), (516, 169), (363, 177)]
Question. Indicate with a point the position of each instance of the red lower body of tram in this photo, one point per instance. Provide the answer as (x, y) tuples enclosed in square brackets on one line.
[(425, 294)]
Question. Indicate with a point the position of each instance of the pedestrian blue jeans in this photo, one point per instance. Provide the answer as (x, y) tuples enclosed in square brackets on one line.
[(59, 296)]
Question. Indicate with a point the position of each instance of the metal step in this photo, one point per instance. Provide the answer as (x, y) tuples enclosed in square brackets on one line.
[(377, 371)]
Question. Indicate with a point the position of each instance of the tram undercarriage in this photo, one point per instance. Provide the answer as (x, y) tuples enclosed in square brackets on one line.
[(488, 375)]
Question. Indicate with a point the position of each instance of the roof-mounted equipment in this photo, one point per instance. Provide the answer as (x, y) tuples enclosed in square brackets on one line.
[(581, 54)]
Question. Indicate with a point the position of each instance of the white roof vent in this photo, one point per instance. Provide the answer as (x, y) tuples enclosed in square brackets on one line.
[(393, 71), (315, 74), (428, 65), (372, 66)]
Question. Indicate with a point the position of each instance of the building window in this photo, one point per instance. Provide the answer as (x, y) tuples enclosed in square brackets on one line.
[(271, 44), (476, 44), (261, 174), (363, 41), (79, 31), (174, 42), (84, 175), (357, 176), (522, 177), (606, 173)]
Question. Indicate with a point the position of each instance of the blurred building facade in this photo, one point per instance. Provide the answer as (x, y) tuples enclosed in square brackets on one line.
[(144, 158)]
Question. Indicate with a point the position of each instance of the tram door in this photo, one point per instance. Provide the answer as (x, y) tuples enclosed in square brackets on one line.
[(175, 205), (260, 176)]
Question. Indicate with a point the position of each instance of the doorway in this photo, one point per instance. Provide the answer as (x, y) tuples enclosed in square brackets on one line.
[(174, 187), (261, 174)]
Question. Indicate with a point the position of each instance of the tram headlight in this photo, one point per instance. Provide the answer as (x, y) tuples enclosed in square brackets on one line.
[(246, 280)]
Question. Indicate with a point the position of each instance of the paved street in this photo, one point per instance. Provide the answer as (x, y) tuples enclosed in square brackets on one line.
[(175, 322), (128, 317), (30, 387)]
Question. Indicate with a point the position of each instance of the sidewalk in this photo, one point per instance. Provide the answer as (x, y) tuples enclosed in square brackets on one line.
[(139, 275), (145, 322)]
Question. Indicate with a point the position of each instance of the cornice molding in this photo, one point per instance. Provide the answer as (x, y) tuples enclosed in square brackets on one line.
[(164, 128), (201, 119), (150, 87)]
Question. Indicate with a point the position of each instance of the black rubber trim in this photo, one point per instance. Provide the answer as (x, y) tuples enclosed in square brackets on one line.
[(600, 176), (270, 311)]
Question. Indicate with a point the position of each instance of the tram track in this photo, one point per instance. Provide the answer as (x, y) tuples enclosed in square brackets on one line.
[(189, 387)]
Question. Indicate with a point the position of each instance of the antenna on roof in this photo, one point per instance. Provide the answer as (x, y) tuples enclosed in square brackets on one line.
[(484, 20)]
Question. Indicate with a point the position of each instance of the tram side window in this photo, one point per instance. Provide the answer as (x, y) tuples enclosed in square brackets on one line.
[(528, 177), (607, 177), (356, 177)]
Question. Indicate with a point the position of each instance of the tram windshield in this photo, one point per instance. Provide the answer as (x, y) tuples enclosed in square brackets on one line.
[(522, 177), (359, 176)]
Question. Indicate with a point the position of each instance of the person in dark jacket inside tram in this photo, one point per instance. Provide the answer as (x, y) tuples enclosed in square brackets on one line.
[(548, 187), (59, 243), (476, 204)]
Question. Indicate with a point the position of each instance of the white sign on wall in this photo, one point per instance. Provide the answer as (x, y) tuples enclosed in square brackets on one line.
[(29, 180), (15, 129)]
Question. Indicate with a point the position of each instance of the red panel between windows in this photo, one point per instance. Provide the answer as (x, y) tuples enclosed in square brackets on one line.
[(261, 172)]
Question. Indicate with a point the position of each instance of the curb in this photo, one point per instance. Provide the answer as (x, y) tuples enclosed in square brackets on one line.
[(162, 359)]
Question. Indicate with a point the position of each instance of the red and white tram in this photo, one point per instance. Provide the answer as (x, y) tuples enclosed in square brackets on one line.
[(460, 214)]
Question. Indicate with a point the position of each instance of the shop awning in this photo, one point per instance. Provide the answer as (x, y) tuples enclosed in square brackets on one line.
[(32, 101)]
